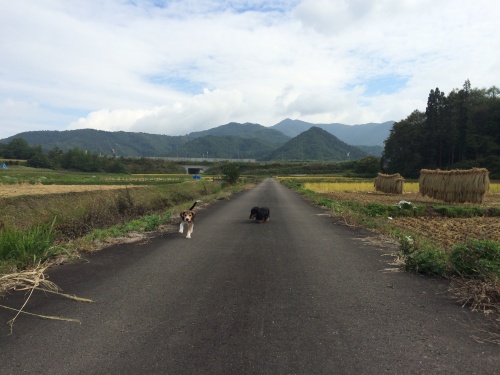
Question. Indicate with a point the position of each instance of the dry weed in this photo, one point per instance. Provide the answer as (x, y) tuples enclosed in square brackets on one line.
[(480, 296), (29, 281)]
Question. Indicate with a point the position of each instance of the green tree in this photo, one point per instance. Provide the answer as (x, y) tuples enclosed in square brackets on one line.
[(80, 160), (55, 156), (463, 119), (38, 159), (368, 166), (460, 130), (403, 146), (230, 173), (18, 148)]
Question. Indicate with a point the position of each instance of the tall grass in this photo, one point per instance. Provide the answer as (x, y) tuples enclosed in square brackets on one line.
[(22, 248)]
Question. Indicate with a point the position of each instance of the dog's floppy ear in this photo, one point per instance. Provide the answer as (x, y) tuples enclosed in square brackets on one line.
[(182, 214)]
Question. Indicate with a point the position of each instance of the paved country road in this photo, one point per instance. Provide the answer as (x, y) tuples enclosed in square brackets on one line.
[(297, 295)]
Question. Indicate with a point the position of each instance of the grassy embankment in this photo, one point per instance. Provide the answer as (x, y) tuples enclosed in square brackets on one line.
[(35, 228), (473, 265)]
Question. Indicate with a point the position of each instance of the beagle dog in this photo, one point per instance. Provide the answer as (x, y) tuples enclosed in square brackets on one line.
[(187, 217)]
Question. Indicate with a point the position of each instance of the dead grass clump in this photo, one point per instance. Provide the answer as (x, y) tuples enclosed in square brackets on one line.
[(29, 281), (458, 186), (480, 296), (26, 280), (389, 183)]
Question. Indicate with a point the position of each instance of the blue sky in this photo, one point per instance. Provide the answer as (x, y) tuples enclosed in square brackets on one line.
[(177, 66)]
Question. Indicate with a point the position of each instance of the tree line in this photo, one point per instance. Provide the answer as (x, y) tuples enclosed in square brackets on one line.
[(83, 161), (460, 130)]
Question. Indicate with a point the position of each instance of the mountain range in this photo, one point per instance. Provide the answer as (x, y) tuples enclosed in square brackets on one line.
[(371, 134), (316, 144), (289, 139)]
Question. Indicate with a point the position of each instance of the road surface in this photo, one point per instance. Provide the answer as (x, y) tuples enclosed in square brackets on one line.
[(300, 294)]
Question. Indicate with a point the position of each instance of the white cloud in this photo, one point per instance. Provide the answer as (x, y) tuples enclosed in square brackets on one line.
[(179, 118), (174, 67)]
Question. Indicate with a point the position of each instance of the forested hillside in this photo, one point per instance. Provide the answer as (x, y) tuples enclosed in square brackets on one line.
[(372, 134), (142, 144), (458, 130), (230, 140), (316, 144), (245, 131), (225, 147), (104, 143)]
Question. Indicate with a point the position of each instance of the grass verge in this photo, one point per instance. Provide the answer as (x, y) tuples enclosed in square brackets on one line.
[(472, 267), (36, 229), (91, 222)]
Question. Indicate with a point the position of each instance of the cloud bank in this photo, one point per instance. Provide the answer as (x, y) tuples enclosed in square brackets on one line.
[(173, 67)]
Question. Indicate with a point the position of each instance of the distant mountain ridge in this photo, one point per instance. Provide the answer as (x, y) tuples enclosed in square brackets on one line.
[(246, 130), (232, 140), (371, 134), (103, 142), (316, 144)]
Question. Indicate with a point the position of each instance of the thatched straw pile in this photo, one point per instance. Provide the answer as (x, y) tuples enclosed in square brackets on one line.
[(389, 183), (458, 186)]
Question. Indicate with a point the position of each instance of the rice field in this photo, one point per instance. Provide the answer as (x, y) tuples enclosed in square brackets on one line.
[(39, 189), (365, 186), (361, 186), (445, 231)]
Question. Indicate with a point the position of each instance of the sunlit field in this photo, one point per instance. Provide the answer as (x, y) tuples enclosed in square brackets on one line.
[(17, 175), (495, 188), (409, 187), (328, 187), (149, 178)]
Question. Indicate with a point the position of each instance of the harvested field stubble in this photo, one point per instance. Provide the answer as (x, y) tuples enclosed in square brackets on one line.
[(39, 189), (444, 231)]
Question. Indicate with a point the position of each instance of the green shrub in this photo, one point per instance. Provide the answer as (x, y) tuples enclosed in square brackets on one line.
[(230, 173), (324, 202), (405, 210), (27, 247), (422, 259), (460, 211), (152, 222), (493, 211), (477, 258), (401, 209), (375, 209)]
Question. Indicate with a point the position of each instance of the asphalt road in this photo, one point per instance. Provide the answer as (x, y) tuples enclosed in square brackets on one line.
[(300, 294)]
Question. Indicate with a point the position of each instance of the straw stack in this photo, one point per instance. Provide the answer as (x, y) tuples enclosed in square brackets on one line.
[(389, 183), (457, 186)]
